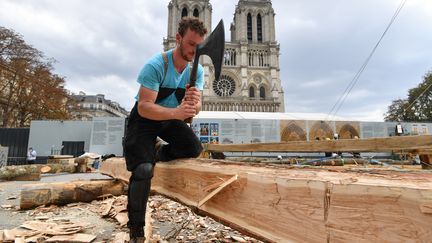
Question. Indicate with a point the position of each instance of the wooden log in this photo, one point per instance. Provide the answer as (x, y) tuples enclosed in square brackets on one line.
[(60, 159), (279, 204), (26, 172), (405, 143), (64, 193)]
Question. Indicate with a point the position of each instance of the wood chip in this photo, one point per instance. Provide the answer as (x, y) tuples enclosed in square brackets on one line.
[(11, 198), (238, 238), (121, 237), (107, 209), (54, 228), (77, 238), (42, 217), (13, 233), (122, 218)]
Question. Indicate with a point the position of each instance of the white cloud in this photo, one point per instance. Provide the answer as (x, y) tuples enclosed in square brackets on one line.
[(101, 45)]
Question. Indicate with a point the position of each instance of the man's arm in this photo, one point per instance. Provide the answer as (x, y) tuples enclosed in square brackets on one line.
[(148, 109)]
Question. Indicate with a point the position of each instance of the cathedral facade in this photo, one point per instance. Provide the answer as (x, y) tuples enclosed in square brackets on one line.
[(250, 78)]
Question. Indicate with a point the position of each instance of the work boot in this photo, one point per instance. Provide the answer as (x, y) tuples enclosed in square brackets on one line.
[(137, 239), (136, 235)]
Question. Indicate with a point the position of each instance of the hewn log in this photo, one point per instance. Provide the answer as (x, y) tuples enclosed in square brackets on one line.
[(27, 172), (64, 193), (405, 143), (279, 204)]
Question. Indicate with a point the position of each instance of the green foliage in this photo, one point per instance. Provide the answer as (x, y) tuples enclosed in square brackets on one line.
[(417, 107)]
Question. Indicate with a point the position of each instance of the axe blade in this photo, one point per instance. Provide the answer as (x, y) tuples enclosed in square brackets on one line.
[(214, 47)]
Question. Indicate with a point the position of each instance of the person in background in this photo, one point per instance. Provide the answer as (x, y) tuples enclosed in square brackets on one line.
[(31, 156)]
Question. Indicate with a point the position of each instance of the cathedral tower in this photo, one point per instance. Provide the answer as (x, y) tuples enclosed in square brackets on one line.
[(250, 75), (178, 9)]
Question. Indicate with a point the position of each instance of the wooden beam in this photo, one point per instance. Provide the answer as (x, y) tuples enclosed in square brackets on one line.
[(404, 143), (63, 193), (18, 172), (278, 204)]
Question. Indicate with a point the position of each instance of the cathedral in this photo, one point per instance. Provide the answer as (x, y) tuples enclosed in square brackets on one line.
[(250, 78)]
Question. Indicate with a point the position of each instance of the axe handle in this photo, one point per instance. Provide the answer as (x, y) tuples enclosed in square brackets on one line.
[(193, 76)]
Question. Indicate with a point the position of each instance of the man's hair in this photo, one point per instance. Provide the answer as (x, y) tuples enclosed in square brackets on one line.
[(193, 24)]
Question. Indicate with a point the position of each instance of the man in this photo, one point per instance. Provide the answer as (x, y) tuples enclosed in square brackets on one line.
[(31, 156), (164, 101)]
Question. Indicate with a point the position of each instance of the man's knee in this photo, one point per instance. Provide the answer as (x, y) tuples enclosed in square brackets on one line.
[(196, 151), (143, 171)]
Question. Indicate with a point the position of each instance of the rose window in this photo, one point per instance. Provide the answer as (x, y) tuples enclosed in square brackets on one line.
[(225, 86)]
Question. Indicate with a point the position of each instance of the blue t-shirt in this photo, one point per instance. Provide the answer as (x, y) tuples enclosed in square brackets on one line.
[(152, 74)]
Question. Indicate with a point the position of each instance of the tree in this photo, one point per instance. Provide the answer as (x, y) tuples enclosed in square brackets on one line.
[(28, 87), (417, 107), (396, 111)]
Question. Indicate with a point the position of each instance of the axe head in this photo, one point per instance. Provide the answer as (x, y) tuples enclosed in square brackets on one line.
[(214, 47)]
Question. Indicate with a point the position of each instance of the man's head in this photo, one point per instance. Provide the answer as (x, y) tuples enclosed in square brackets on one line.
[(190, 33)]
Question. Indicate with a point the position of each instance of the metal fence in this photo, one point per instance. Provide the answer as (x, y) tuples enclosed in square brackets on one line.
[(16, 139)]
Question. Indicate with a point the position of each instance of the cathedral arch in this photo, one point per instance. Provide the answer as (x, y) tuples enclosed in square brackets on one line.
[(259, 28), (262, 92), (259, 80), (348, 132), (184, 12), (196, 13), (230, 57), (321, 130), (252, 89), (249, 27)]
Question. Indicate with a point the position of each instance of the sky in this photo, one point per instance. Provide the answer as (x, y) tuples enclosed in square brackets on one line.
[(101, 45)]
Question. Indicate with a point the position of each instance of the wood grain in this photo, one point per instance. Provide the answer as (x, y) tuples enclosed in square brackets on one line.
[(289, 204)]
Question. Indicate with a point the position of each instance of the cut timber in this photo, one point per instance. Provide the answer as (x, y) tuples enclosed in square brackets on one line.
[(278, 204), (32, 172), (60, 159), (406, 143), (64, 193)]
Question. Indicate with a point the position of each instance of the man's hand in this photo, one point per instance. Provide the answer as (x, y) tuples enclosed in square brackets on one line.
[(185, 110), (192, 94)]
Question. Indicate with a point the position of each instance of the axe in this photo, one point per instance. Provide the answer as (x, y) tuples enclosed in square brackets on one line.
[(214, 47)]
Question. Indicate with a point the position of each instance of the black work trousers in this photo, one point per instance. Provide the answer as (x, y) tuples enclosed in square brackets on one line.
[(139, 148)]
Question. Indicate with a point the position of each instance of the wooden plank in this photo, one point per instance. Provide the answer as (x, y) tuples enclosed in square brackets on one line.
[(18, 172), (405, 143), (278, 204), (63, 193)]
